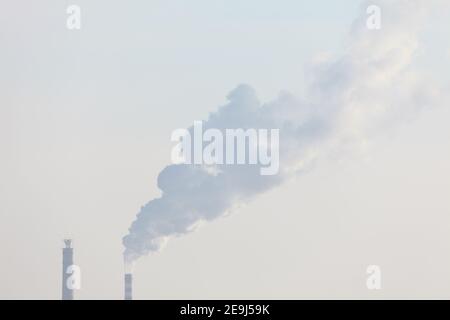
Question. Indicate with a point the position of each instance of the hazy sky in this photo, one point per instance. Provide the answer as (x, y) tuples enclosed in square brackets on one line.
[(85, 123)]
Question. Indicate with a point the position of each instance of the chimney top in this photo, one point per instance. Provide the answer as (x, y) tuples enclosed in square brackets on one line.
[(68, 243)]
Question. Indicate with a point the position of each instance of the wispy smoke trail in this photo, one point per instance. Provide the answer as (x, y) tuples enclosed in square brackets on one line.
[(350, 98)]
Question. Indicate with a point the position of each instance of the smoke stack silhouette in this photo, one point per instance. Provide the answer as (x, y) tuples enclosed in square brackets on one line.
[(67, 291), (348, 100), (128, 294)]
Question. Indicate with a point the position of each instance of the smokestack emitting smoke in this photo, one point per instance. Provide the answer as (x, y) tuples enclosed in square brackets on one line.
[(67, 292), (128, 294), (349, 99)]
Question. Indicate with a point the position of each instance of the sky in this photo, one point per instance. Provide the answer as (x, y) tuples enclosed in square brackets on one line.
[(85, 123)]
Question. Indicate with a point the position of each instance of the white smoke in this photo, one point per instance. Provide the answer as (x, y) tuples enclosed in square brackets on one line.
[(350, 98)]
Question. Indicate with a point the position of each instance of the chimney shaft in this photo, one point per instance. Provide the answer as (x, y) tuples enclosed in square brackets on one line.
[(67, 292), (128, 286)]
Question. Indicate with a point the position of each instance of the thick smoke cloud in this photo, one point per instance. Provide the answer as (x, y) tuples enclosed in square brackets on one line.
[(349, 99)]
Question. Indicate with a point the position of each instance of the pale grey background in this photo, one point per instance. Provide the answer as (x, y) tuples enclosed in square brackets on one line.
[(85, 124)]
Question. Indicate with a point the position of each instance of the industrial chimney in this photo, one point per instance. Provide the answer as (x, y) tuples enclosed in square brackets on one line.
[(128, 286), (67, 291)]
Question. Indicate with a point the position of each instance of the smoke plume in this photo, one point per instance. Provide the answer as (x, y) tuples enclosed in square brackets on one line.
[(350, 98)]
